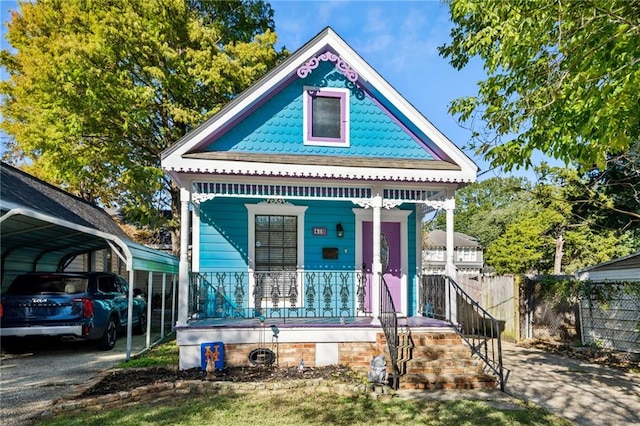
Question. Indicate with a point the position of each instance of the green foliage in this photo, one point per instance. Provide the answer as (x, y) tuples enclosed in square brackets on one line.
[(164, 354), (571, 290), (521, 248), (563, 78), (98, 89), (537, 228), (484, 209)]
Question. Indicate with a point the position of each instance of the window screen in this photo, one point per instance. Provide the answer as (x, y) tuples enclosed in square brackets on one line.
[(276, 243), (276, 250), (326, 117)]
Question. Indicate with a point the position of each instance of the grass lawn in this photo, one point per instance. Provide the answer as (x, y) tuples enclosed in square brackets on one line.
[(301, 406)]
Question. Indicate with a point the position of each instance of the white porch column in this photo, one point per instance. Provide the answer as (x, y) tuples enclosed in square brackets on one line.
[(450, 268), (449, 206), (183, 275), (376, 267)]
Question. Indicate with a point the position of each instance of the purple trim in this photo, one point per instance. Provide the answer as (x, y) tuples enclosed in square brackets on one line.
[(309, 94), (341, 66), (316, 322)]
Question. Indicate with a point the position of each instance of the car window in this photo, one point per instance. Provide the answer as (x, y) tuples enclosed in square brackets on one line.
[(38, 284), (123, 286), (107, 285)]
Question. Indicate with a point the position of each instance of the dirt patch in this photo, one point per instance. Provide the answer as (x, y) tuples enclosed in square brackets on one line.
[(127, 379), (625, 361)]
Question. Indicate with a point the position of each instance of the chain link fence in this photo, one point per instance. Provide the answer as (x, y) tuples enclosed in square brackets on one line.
[(614, 324), (543, 316)]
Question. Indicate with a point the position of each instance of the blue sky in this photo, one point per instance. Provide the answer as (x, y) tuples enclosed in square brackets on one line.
[(399, 39)]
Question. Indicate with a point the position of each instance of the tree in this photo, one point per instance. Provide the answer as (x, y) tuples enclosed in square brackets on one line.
[(521, 248), (563, 78), (485, 208), (98, 89), (538, 228)]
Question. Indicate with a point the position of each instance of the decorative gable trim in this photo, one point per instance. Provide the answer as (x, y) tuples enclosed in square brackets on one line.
[(175, 162), (341, 66)]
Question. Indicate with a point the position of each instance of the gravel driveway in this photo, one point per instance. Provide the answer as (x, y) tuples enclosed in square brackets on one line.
[(29, 381)]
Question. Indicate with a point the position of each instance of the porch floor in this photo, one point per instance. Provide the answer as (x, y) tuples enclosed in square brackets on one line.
[(309, 322)]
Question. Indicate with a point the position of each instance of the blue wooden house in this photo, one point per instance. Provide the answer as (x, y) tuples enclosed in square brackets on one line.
[(302, 206)]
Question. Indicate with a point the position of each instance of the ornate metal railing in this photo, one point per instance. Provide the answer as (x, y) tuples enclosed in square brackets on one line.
[(279, 294), (389, 323), (432, 296)]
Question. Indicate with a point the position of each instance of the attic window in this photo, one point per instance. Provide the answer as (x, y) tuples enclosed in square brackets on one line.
[(326, 117)]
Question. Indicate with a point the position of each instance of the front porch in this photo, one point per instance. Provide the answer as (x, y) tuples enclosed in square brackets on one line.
[(287, 329)]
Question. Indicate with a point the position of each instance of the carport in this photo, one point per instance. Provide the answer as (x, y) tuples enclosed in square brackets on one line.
[(44, 229)]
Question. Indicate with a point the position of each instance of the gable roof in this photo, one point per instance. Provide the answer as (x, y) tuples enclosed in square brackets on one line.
[(188, 156), (438, 238), (622, 268), (21, 190)]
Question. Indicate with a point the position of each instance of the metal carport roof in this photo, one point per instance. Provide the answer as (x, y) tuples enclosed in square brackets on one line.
[(47, 243), (43, 228)]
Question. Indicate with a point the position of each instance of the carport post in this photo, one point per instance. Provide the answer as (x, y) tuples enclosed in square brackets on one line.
[(130, 314), (173, 299), (164, 288), (149, 298)]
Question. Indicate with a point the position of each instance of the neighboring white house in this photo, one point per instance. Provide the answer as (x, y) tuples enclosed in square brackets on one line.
[(625, 268), (468, 254), (614, 324)]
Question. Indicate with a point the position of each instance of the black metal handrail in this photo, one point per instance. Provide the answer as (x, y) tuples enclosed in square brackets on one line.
[(389, 323), (480, 330)]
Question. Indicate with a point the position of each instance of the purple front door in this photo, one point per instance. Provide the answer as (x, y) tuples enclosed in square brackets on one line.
[(390, 257)]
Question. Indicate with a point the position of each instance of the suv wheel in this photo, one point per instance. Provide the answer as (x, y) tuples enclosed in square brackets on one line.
[(141, 327), (108, 340)]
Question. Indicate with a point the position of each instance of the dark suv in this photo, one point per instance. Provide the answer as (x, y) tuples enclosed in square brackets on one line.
[(84, 305)]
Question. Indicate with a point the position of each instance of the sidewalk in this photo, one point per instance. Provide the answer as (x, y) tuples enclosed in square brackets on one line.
[(587, 394)]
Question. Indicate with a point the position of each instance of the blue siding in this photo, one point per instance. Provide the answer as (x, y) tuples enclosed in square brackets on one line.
[(328, 214), (276, 127), (224, 242), (223, 235)]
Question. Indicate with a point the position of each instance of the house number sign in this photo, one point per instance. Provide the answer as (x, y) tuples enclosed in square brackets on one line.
[(320, 231)]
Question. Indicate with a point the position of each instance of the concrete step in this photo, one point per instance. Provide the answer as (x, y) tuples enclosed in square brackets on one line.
[(449, 381)]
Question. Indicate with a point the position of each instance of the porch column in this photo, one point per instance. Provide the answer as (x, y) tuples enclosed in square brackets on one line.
[(449, 206), (183, 275), (450, 268), (376, 267)]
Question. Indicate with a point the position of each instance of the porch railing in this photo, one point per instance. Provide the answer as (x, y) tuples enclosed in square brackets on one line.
[(236, 294), (479, 329), (389, 323)]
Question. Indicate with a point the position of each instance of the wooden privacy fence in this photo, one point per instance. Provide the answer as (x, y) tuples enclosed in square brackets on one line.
[(499, 296), (529, 309)]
